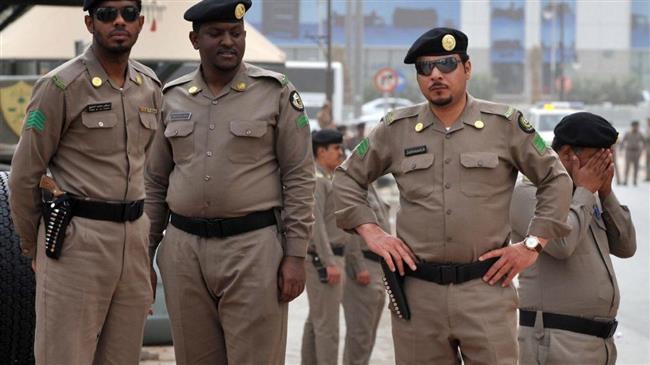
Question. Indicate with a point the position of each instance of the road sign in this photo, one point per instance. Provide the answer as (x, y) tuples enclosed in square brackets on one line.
[(386, 79)]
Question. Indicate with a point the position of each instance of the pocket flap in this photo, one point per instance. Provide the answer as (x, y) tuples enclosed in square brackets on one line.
[(179, 129), (417, 162), (149, 120), (248, 129), (479, 159), (99, 120)]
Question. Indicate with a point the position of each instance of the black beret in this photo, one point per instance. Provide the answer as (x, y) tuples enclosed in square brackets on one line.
[(438, 42), (88, 4), (584, 129), (327, 136), (226, 11)]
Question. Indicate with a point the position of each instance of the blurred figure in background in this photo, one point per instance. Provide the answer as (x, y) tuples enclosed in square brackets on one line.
[(647, 151), (324, 116), (633, 144)]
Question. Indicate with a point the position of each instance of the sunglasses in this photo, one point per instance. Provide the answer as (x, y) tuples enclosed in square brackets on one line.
[(108, 14), (445, 65)]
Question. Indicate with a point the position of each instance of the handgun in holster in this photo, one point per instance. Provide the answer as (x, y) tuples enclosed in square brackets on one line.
[(320, 268), (394, 284), (57, 214)]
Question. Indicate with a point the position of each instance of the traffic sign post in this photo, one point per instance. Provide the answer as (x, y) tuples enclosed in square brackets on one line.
[(386, 80)]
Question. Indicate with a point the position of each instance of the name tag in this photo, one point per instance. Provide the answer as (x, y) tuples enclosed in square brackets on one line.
[(176, 116), (92, 108), (412, 151)]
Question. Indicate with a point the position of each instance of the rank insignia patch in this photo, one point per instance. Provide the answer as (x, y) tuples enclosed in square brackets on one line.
[(176, 116), (35, 120)]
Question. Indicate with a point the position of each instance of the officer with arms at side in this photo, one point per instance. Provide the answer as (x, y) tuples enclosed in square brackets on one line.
[(233, 169), (325, 264), (90, 123), (455, 159), (569, 297)]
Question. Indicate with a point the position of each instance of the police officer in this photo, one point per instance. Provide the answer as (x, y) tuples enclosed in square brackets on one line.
[(455, 159), (633, 144), (570, 297), (325, 264), (363, 292), (90, 123), (232, 167), (647, 151)]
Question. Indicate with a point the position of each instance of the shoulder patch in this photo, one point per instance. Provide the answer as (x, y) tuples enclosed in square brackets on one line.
[(258, 72), (58, 82), (179, 81), (146, 71), (296, 101), (362, 148), (503, 110), (525, 125), (35, 120), (302, 121), (539, 144), (65, 74)]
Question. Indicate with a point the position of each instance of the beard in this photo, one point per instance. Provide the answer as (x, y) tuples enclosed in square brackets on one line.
[(442, 101), (116, 49)]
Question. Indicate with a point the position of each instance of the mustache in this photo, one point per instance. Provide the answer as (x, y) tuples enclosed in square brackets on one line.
[(119, 30), (222, 50), (437, 85)]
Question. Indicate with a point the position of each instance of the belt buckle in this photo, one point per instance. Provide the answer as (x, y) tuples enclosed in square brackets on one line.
[(612, 328), (447, 274)]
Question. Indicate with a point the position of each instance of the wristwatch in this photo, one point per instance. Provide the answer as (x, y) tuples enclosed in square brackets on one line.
[(532, 243)]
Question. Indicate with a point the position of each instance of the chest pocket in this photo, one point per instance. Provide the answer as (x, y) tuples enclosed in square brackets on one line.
[(180, 136), (477, 173), (247, 142), (148, 123), (101, 134), (416, 178)]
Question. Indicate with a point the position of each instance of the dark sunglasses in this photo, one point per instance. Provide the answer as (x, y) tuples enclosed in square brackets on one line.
[(129, 14), (445, 65)]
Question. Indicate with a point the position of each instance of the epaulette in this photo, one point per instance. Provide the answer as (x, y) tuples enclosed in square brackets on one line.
[(65, 74), (254, 71), (146, 71), (401, 113), (503, 110), (179, 81)]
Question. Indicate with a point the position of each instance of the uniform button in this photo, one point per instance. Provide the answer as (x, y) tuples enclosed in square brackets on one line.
[(447, 186), (448, 211), (101, 124), (211, 126), (215, 102), (206, 178), (448, 135), (209, 153), (248, 132), (447, 160)]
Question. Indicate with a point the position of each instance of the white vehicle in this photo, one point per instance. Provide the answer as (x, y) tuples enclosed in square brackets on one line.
[(384, 105), (309, 78), (544, 117)]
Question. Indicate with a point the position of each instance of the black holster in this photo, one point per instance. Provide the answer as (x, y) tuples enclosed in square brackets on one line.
[(57, 214)]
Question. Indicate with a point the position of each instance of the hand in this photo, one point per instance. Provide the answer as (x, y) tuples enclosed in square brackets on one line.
[(34, 264), (514, 259), (590, 175), (387, 246), (608, 177), (363, 277), (333, 275), (291, 280), (154, 282)]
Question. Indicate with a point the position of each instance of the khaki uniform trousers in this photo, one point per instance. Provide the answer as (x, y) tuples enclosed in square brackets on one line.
[(222, 297), (363, 306), (320, 337), (539, 346), (473, 320), (632, 158), (91, 303)]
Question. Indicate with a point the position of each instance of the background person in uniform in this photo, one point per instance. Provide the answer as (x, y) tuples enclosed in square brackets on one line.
[(569, 297), (363, 293), (324, 116), (360, 134), (455, 160), (633, 144), (647, 151), (320, 338), (91, 122), (232, 166)]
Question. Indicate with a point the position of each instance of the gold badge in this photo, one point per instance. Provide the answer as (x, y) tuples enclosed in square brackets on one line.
[(193, 90), (138, 79), (479, 124), (240, 10), (97, 82), (448, 42), (419, 127), (241, 86)]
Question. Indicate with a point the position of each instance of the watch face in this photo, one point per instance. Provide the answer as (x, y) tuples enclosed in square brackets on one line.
[(531, 243)]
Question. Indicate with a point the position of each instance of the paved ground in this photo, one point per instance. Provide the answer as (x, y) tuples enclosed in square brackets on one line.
[(632, 337)]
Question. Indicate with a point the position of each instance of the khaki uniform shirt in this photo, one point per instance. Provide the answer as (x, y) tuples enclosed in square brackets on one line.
[(574, 275), (455, 185), (92, 135), (326, 233), (633, 142), (244, 150)]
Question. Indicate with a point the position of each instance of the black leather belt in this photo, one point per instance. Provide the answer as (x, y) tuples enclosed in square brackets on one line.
[(372, 256), (570, 323), (226, 227), (338, 250), (104, 211), (445, 274)]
